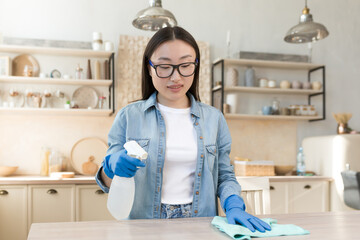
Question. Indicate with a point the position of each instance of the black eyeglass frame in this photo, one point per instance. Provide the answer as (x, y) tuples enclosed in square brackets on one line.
[(174, 67)]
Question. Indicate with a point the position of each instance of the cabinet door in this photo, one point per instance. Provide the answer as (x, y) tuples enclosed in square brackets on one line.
[(91, 204), (13, 212), (279, 201), (51, 203), (309, 196)]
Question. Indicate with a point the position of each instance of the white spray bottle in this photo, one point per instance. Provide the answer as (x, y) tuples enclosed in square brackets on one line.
[(122, 189)]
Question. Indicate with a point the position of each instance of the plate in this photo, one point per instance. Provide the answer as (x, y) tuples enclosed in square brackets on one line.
[(85, 97), (19, 63), (83, 149)]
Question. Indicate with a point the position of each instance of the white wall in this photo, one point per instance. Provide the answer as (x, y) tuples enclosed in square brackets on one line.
[(256, 25)]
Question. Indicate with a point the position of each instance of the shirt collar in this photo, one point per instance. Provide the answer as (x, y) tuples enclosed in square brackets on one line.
[(194, 109)]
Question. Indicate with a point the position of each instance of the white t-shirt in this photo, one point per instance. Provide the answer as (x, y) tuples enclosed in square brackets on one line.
[(180, 156)]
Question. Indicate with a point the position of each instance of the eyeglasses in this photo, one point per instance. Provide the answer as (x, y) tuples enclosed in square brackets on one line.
[(166, 70)]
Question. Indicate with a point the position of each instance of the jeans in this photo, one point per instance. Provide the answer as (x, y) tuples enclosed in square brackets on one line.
[(175, 211)]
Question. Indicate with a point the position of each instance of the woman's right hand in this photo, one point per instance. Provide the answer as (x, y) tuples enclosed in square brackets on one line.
[(121, 164)]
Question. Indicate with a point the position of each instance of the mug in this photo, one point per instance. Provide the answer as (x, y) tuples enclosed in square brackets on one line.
[(271, 83), (285, 84), (316, 85), (263, 82), (296, 84), (267, 110)]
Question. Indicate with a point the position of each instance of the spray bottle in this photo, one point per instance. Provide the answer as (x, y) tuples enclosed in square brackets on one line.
[(122, 189)]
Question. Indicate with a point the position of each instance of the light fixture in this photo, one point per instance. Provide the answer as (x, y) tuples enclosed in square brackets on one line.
[(154, 17), (307, 30)]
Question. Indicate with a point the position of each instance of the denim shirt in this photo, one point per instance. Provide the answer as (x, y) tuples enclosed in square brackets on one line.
[(214, 176)]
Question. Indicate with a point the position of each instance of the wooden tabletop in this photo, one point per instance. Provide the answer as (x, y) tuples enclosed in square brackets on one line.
[(329, 225)]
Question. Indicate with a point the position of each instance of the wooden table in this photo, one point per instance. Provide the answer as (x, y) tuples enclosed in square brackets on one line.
[(329, 225)]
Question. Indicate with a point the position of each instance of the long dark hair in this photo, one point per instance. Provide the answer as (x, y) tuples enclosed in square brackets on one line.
[(163, 35)]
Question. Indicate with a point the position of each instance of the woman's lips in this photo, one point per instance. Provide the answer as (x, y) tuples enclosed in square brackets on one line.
[(175, 88)]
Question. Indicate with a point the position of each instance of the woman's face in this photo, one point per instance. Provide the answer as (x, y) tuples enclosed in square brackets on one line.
[(172, 90)]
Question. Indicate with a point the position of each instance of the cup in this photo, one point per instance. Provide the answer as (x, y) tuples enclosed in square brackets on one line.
[(43, 75), (271, 84), (306, 85), (232, 100), (284, 111), (267, 110), (263, 82), (296, 84), (109, 46), (285, 84), (316, 85)]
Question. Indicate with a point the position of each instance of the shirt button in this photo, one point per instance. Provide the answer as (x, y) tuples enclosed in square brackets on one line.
[(162, 134), (196, 211), (171, 208), (202, 156), (201, 137), (199, 174), (196, 124), (215, 151), (158, 189), (197, 192)]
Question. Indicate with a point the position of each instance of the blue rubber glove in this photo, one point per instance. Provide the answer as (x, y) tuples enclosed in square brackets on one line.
[(235, 213), (121, 164)]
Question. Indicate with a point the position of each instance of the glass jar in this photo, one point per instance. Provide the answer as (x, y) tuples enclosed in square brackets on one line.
[(45, 155), (55, 162), (79, 73), (275, 107), (102, 100)]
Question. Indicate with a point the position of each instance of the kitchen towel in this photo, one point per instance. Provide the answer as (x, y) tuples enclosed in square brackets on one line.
[(240, 232)]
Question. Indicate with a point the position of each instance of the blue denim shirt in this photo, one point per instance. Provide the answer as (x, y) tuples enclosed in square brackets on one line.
[(214, 176)]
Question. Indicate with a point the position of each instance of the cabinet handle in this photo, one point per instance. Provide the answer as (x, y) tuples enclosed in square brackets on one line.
[(272, 188), (51, 191), (307, 187), (99, 192), (3, 192)]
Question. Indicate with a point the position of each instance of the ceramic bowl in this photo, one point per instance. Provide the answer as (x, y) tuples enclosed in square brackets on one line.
[(7, 170), (283, 169)]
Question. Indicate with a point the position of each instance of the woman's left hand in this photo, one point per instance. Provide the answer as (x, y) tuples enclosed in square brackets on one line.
[(235, 214)]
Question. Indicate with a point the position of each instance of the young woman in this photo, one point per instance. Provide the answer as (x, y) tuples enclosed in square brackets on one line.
[(188, 142)]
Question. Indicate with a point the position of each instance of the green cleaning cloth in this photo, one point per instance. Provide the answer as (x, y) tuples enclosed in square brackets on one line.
[(241, 232)]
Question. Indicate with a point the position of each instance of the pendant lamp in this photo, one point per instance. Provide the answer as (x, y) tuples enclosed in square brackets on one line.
[(154, 17), (307, 30)]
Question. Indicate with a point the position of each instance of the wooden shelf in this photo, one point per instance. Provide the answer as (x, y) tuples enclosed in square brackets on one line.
[(55, 51), (37, 80), (58, 111), (269, 90), (271, 117), (269, 64)]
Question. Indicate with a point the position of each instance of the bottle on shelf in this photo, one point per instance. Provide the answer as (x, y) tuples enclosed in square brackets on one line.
[(300, 163)]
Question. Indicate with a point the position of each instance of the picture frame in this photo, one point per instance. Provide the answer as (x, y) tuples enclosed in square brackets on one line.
[(5, 66)]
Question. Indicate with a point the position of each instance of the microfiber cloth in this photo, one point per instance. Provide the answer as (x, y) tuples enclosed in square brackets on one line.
[(241, 232)]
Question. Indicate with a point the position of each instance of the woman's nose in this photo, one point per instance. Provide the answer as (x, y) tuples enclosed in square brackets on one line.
[(175, 76)]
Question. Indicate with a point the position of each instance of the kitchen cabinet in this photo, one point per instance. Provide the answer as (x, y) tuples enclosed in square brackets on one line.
[(64, 55), (51, 203), (300, 196), (91, 204), (13, 212), (219, 89)]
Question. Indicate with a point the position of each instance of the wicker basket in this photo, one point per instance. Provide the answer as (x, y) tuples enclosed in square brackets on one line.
[(254, 168)]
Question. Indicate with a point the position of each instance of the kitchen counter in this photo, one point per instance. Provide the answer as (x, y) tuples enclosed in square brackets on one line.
[(79, 179), (26, 179)]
